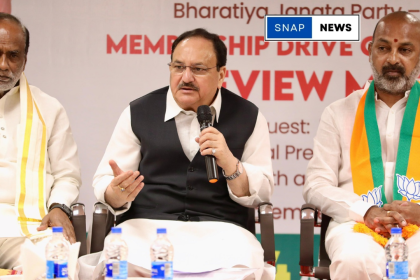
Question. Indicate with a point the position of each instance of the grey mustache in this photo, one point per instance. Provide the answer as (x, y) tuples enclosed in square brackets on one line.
[(189, 85)]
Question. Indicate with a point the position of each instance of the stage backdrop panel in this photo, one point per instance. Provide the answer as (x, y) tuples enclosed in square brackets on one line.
[(95, 56)]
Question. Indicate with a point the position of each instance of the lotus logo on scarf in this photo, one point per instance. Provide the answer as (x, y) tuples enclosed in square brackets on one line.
[(410, 189), (374, 196)]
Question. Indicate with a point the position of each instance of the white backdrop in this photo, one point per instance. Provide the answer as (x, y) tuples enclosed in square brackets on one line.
[(71, 59)]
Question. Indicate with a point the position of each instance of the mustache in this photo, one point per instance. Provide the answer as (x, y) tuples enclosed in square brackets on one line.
[(7, 74), (397, 68), (188, 85)]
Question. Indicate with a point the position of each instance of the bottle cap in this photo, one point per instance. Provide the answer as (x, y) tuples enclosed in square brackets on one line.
[(161, 230), (116, 230), (57, 229), (396, 230)]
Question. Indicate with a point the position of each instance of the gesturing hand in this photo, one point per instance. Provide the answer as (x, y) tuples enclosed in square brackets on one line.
[(381, 220), (124, 187), (57, 218)]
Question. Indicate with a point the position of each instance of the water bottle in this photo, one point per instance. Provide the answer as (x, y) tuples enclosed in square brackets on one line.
[(116, 252), (396, 253), (57, 255), (161, 254)]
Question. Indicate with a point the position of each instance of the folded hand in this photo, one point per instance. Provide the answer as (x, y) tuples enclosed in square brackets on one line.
[(381, 220), (409, 210)]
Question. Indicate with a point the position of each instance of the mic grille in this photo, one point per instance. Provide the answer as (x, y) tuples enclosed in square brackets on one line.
[(204, 114)]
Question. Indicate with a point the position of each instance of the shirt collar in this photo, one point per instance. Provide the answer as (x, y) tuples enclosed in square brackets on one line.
[(3, 99), (11, 92), (173, 109), (406, 94)]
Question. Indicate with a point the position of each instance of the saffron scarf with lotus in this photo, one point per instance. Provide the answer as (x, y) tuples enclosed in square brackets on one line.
[(366, 152)]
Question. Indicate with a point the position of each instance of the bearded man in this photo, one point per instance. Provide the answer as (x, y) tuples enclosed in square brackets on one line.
[(365, 163), (39, 166)]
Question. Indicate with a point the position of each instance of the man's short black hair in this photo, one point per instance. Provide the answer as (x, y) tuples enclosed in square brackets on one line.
[(25, 31), (218, 45)]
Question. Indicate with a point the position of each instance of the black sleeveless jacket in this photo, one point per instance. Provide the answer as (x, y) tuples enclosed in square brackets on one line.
[(175, 188)]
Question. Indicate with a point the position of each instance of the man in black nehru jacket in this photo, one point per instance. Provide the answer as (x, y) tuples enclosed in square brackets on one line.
[(154, 173)]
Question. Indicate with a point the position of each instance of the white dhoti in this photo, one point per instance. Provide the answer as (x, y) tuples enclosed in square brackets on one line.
[(357, 256), (9, 220), (198, 246)]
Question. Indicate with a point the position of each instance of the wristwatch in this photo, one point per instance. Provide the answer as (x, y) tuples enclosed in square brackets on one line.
[(236, 174), (63, 207)]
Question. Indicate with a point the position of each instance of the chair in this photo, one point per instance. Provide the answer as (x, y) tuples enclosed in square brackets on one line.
[(310, 218), (103, 220), (78, 220)]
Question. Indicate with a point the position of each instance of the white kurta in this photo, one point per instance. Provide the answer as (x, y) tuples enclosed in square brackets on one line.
[(193, 237), (329, 185), (62, 167)]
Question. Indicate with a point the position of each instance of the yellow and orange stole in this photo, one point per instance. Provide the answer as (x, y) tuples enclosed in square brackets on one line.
[(366, 157), (30, 201)]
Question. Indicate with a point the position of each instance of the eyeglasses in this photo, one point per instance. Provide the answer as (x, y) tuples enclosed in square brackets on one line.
[(196, 70)]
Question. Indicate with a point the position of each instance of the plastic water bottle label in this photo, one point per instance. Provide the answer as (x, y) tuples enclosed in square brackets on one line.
[(162, 270), (109, 270), (117, 270), (50, 270), (397, 270), (61, 270), (56, 270)]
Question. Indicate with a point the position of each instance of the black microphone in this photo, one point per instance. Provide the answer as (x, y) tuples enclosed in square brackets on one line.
[(204, 117)]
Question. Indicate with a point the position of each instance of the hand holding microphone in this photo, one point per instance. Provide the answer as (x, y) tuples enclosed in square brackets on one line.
[(213, 146), (204, 117)]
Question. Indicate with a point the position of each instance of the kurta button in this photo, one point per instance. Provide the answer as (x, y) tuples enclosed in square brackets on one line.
[(190, 187), (191, 169), (4, 136), (2, 128)]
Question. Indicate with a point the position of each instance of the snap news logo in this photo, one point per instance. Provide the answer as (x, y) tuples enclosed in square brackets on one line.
[(312, 28)]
